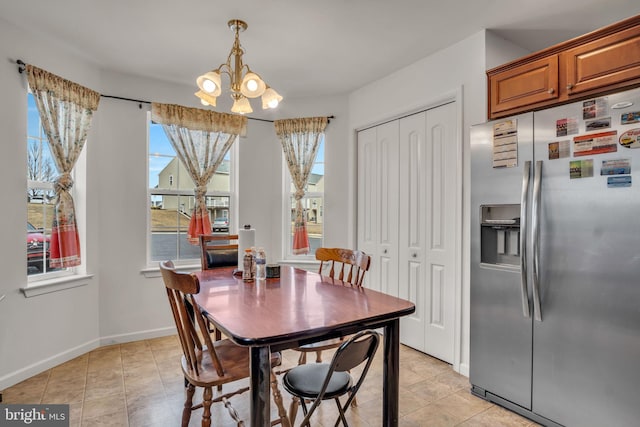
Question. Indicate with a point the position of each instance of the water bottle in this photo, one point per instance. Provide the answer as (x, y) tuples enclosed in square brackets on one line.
[(261, 264), (247, 266)]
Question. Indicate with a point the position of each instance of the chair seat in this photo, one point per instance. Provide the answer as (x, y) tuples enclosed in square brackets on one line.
[(306, 381), (236, 364)]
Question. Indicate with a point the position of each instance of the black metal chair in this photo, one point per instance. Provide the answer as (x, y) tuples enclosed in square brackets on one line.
[(323, 381)]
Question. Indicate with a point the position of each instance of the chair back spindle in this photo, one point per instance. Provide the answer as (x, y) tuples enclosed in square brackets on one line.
[(343, 264)]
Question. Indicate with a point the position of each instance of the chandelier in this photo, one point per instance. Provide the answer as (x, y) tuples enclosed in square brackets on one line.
[(249, 85)]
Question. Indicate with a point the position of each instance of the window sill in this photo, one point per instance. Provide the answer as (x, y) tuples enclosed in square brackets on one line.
[(42, 287), (154, 271)]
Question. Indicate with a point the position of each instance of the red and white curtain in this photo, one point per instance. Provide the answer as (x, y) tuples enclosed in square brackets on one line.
[(201, 139), (300, 139), (66, 110)]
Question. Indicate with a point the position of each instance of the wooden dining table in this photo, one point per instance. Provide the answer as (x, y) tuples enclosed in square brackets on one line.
[(300, 307)]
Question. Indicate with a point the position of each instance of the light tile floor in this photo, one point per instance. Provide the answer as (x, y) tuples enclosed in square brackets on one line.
[(140, 384)]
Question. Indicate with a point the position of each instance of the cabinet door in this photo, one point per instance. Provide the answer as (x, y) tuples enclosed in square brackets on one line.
[(606, 62), (521, 87)]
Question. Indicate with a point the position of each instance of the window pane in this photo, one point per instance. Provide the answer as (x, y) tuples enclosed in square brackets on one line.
[(169, 224), (313, 210), (39, 215), (41, 172), (172, 201), (313, 204)]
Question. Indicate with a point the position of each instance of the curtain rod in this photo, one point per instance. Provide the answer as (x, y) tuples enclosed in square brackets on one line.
[(22, 67)]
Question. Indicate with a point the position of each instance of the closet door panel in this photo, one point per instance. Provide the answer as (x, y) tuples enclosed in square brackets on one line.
[(368, 230), (412, 226), (387, 249), (441, 181)]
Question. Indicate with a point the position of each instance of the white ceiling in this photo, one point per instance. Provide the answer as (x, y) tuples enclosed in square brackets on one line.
[(300, 47)]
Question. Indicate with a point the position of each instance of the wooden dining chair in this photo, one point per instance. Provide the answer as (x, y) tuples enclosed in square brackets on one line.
[(323, 381), (218, 250), (207, 363), (343, 264)]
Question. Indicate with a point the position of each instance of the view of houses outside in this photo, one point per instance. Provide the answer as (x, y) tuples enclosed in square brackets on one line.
[(171, 199), (41, 172)]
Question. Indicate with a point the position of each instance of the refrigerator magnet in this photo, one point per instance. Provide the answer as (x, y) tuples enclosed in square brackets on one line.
[(616, 167), (567, 126), (594, 108), (596, 124), (595, 143), (581, 169), (619, 181), (559, 149), (629, 118), (630, 139)]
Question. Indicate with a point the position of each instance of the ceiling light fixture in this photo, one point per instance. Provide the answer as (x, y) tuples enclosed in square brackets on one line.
[(249, 85)]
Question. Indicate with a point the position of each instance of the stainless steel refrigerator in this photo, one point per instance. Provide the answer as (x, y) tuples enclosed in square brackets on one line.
[(555, 262)]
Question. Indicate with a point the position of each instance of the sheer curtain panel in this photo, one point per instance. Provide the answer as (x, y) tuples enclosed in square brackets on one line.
[(300, 139), (66, 110), (201, 139)]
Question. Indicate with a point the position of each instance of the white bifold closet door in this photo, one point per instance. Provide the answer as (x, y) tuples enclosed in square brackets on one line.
[(407, 189)]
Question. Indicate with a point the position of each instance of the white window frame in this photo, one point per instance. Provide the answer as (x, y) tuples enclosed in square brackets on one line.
[(287, 193), (152, 265), (58, 274)]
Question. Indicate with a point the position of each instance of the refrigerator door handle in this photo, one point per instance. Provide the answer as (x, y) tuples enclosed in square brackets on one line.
[(535, 220), (526, 176)]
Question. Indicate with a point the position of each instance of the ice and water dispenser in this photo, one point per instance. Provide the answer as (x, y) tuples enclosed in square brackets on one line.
[(500, 234)]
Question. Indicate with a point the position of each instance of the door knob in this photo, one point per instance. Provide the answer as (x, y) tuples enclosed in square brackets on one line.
[(551, 90), (569, 86)]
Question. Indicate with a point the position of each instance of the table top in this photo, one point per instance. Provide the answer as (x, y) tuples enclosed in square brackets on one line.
[(298, 305)]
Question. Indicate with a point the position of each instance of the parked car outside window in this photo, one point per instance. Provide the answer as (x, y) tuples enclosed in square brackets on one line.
[(37, 248), (221, 224)]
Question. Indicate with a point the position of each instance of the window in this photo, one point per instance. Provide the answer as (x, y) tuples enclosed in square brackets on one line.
[(41, 172), (171, 199), (313, 204)]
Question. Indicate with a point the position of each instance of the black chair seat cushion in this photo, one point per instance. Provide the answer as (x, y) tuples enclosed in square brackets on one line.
[(222, 258), (306, 381)]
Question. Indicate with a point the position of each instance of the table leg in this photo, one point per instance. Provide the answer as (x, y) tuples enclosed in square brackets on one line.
[(391, 367), (260, 386)]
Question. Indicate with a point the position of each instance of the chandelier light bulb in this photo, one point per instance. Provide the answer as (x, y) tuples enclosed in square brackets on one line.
[(252, 85), (270, 98), (203, 102), (208, 86)]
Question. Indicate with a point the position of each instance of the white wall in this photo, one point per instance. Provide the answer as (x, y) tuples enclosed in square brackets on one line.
[(45, 330)]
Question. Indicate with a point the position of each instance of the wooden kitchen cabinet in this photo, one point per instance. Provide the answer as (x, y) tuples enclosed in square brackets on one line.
[(603, 63), (591, 65), (528, 84)]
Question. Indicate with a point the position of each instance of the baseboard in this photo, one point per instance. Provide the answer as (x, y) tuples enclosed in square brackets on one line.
[(137, 336), (48, 363), (464, 369)]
